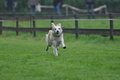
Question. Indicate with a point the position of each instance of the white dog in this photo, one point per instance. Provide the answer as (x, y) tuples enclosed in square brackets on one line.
[(55, 38)]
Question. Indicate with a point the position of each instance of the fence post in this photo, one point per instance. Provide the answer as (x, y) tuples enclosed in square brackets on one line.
[(17, 26), (0, 27), (31, 23), (76, 26), (34, 27), (52, 19), (66, 11), (111, 27)]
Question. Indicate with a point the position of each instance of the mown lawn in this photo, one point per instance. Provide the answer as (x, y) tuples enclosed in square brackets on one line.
[(91, 57)]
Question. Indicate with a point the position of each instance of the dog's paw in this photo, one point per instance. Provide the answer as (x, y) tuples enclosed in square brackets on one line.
[(64, 47)]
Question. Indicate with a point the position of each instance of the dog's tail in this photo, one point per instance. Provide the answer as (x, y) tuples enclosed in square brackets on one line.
[(46, 38)]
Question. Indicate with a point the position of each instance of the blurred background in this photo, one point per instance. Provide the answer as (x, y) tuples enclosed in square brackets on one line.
[(113, 6)]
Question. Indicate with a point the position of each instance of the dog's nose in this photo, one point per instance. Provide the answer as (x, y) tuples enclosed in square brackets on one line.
[(57, 32)]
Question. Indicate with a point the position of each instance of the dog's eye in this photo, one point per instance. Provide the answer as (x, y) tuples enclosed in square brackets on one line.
[(55, 28), (59, 28)]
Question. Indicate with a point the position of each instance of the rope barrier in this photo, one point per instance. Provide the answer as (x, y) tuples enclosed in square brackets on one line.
[(75, 8)]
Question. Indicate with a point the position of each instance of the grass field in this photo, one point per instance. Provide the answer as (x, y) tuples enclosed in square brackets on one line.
[(91, 57)]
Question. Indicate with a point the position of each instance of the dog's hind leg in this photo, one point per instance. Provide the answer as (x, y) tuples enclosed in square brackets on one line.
[(47, 48), (48, 43)]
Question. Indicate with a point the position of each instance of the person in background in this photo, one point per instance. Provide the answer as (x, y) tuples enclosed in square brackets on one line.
[(32, 5), (11, 5), (90, 8), (57, 6)]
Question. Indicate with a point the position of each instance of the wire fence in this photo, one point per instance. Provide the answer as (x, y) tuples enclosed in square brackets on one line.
[(31, 25)]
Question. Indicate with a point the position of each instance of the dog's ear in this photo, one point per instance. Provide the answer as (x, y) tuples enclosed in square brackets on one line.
[(63, 27), (53, 25), (59, 24)]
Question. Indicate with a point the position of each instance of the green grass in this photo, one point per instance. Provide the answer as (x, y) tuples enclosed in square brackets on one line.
[(91, 57)]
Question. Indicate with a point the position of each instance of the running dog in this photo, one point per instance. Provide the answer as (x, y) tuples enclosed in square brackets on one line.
[(55, 38)]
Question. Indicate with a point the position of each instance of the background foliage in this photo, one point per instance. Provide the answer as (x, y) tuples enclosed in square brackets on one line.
[(113, 5)]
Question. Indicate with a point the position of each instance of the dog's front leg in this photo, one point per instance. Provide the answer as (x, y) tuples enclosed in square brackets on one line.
[(62, 42), (55, 51)]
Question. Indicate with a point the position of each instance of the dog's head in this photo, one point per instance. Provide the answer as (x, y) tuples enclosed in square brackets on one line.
[(57, 29)]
